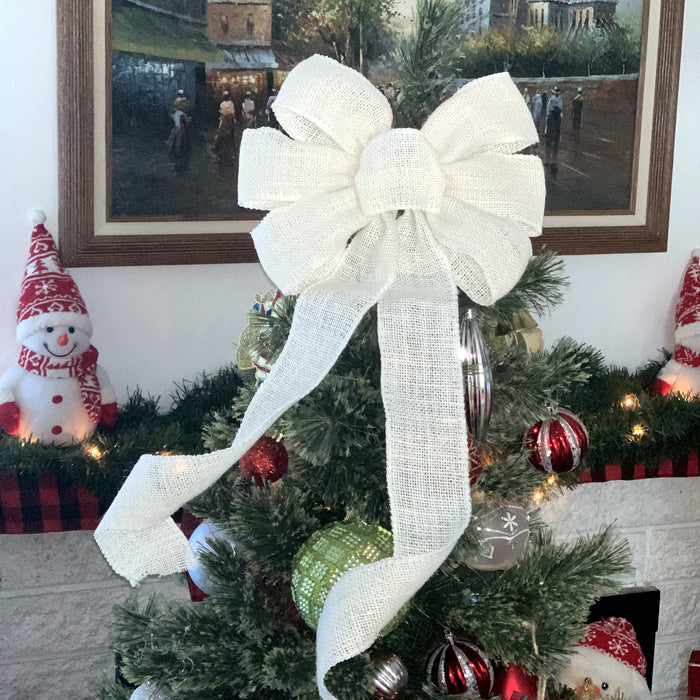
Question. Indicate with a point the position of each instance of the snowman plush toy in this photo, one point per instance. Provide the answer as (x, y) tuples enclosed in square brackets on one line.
[(681, 374), (607, 662), (56, 393)]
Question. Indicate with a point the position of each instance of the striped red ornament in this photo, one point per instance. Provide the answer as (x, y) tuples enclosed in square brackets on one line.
[(557, 444), (457, 666)]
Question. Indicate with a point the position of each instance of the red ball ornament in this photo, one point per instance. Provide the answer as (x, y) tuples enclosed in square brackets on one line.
[(557, 444), (267, 459), (458, 666), (514, 683)]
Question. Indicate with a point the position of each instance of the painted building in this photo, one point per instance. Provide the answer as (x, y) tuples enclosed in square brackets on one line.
[(564, 15), (241, 23), (571, 16), (482, 15)]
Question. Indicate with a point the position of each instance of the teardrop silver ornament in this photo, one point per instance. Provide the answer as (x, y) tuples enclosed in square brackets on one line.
[(477, 376)]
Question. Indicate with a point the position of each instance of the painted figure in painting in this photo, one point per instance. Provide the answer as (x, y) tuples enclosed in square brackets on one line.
[(576, 115), (553, 128), (271, 118), (248, 111), (179, 140), (225, 139), (537, 107)]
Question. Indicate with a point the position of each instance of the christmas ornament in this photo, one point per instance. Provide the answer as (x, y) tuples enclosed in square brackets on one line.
[(458, 666), (557, 444), (522, 330), (512, 682), (247, 355), (503, 534), (391, 677), (327, 555), (476, 460), (477, 376), (681, 373), (148, 691), (334, 180), (694, 675), (266, 460), (56, 393), (608, 661), (198, 541)]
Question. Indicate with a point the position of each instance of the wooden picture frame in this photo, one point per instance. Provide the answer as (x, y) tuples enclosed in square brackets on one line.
[(87, 240)]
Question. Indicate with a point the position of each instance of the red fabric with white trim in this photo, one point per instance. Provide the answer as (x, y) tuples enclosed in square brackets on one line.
[(688, 306), (615, 637), (47, 288)]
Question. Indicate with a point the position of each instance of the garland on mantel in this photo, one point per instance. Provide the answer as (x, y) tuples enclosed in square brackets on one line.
[(101, 462), (628, 426)]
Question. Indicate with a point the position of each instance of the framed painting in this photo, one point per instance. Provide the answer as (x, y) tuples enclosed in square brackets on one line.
[(155, 94)]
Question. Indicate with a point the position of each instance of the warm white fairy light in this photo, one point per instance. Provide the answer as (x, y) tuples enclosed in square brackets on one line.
[(94, 451), (638, 430), (629, 401), (537, 496)]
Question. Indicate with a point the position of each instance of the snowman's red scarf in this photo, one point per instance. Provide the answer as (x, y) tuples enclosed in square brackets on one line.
[(686, 356), (83, 368)]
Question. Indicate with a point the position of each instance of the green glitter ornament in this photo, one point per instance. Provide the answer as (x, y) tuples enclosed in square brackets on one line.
[(327, 555)]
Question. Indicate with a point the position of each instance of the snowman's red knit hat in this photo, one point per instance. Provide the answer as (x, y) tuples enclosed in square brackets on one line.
[(688, 306), (49, 295), (615, 637)]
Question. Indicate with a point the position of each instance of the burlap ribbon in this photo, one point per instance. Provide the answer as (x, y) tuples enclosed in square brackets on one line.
[(361, 214)]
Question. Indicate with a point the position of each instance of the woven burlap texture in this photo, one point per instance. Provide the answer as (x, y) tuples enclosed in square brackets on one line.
[(360, 214)]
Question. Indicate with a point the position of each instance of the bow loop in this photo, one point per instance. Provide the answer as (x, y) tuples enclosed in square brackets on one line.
[(488, 114), (279, 170), (325, 103), (399, 170)]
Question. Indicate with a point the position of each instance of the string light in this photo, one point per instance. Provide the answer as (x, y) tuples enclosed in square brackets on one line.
[(537, 496), (552, 480), (638, 430), (94, 451), (629, 401)]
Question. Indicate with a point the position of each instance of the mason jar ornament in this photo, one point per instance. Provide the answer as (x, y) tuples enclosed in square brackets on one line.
[(390, 678)]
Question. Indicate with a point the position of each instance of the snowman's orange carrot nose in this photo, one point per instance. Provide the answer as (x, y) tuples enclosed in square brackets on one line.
[(63, 339)]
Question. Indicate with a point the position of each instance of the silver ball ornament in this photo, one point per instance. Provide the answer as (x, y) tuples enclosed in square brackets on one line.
[(148, 691), (198, 542)]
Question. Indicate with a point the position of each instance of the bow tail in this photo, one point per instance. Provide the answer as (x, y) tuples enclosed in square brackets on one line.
[(427, 456), (137, 535)]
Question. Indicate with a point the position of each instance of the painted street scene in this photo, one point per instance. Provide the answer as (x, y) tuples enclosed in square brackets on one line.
[(189, 76)]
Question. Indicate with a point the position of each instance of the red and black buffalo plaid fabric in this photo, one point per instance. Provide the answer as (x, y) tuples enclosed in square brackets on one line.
[(686, 466), (31, 503)]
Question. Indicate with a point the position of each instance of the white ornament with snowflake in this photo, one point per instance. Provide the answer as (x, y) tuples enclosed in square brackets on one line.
[(503, 533)]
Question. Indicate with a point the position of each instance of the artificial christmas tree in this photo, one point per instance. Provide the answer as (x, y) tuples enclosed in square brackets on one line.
[(367, 230)]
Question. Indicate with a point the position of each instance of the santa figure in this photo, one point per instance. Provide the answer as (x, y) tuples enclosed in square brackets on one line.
[(681, 373), (56, 392), (608, 661)]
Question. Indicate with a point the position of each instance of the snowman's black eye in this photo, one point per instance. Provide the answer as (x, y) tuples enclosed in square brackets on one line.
[(604, 685), (71, 329), (49, 329)]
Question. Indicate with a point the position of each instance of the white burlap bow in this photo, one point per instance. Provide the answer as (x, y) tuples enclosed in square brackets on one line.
[(334, 236)]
